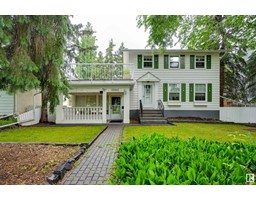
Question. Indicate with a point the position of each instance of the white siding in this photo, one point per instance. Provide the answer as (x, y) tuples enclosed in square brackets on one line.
[(186, 75), (6, 103)]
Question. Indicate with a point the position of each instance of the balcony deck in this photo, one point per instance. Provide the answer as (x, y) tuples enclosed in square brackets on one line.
[(100, 71)]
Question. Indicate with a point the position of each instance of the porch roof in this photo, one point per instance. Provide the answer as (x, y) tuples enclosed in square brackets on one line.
[(128, 82)]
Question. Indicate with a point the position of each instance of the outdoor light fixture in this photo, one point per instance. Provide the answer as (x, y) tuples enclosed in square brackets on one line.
[(101, 92)]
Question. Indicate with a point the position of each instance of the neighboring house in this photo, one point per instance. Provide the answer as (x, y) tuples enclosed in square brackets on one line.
[(18, 103), (7, 103), (186, 82)]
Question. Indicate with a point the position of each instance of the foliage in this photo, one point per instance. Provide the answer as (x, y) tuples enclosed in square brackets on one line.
[(252, 75), (100, 57), (233, 33), (76, 134), (87, 50), (212, 132), (119, 54), (32, 53), (109, 57), (7, 121), (156, 160)]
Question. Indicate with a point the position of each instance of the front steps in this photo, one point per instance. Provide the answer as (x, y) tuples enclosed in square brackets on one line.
[(152, 117)]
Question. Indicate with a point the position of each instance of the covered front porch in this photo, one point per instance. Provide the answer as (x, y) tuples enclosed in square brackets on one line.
[(100, 102)]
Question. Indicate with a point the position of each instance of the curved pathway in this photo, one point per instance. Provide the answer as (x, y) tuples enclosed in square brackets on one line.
[(96, 163)]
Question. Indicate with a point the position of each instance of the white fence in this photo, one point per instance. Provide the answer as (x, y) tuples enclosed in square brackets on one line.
[(238, 114), (28, 118), (82, 113)]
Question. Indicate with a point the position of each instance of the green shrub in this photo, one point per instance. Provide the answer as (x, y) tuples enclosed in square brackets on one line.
[(155, 159)]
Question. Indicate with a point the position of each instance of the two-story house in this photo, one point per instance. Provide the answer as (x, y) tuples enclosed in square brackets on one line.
[(182, 83)]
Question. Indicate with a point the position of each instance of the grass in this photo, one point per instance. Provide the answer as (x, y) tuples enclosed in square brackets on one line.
[(7, 121), (73, 134), (214, 132)]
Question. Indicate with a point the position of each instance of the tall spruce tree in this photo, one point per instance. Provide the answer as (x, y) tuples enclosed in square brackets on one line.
[(87, 51), (109, 57), (119, 54), (100, 57), (31, 52)]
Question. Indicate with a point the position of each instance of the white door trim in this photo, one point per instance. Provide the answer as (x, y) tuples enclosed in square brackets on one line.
[(148, 101)]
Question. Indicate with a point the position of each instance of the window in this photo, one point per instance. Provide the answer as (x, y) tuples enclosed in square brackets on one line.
[(90, 100), (174, 62), (200, 62), (174, 92), (148, 61), (200, 92)]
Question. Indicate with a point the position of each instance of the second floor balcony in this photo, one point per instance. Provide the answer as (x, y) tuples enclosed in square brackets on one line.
[(100, 71)]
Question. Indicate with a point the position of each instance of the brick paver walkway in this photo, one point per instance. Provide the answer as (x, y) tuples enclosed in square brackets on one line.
[(97, 161)]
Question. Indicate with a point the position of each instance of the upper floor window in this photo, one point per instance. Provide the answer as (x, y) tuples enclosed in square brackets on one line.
[(174, 92), (200, 92), (174, 62), (148, 61), (200, 62)]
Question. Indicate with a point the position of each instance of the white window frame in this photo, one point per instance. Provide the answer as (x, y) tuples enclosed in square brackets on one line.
[(205, 92), (147, 61), (169, 93), (170, 61), (201, 61)]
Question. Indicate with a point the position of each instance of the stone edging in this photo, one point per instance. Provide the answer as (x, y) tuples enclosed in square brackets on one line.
[(67, 165)]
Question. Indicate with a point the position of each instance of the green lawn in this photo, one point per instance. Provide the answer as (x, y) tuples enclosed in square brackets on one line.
[(215, 132), (65, 134), (7, 121)]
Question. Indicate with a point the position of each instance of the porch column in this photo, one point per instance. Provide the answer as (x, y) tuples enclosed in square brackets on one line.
[(104, 107), (59, 110), (127, 106)]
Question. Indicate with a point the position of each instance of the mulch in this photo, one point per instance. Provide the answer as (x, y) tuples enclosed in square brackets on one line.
[(31, 164)]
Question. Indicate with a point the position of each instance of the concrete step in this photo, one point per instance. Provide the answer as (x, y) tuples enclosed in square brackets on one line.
[(152, 111), (151, 115), (153, 121), (152, 118)]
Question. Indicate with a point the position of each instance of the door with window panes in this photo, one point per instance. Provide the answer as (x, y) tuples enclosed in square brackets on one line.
[(116, 107)]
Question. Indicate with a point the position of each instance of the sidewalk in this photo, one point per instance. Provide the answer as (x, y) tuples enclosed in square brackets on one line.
[(97, 161)]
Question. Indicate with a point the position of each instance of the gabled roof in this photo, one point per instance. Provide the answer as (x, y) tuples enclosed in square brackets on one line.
[(149, 77)]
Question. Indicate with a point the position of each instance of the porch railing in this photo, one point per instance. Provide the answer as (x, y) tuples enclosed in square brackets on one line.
[(160, 106), (141, 108), (99, 71), (82, 113)]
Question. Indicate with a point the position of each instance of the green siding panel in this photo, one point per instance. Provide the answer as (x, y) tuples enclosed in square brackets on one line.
[(182, 61), (208, 62), (191, 92), (192, 62), (183, 92), (166, 61), (139, 61), (209, 92), (165, 92), (156, 64)]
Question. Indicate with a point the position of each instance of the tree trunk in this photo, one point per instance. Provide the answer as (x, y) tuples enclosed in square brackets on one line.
[(44, 114)]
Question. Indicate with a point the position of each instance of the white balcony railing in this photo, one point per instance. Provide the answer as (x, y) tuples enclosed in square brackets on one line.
[(100, 71), (82, 113)]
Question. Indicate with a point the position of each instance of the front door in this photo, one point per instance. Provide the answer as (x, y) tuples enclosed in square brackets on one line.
[(116, 108), (147, 95)]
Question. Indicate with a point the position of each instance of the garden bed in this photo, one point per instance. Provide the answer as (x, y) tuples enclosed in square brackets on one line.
[(30, 163), (157, 160)]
